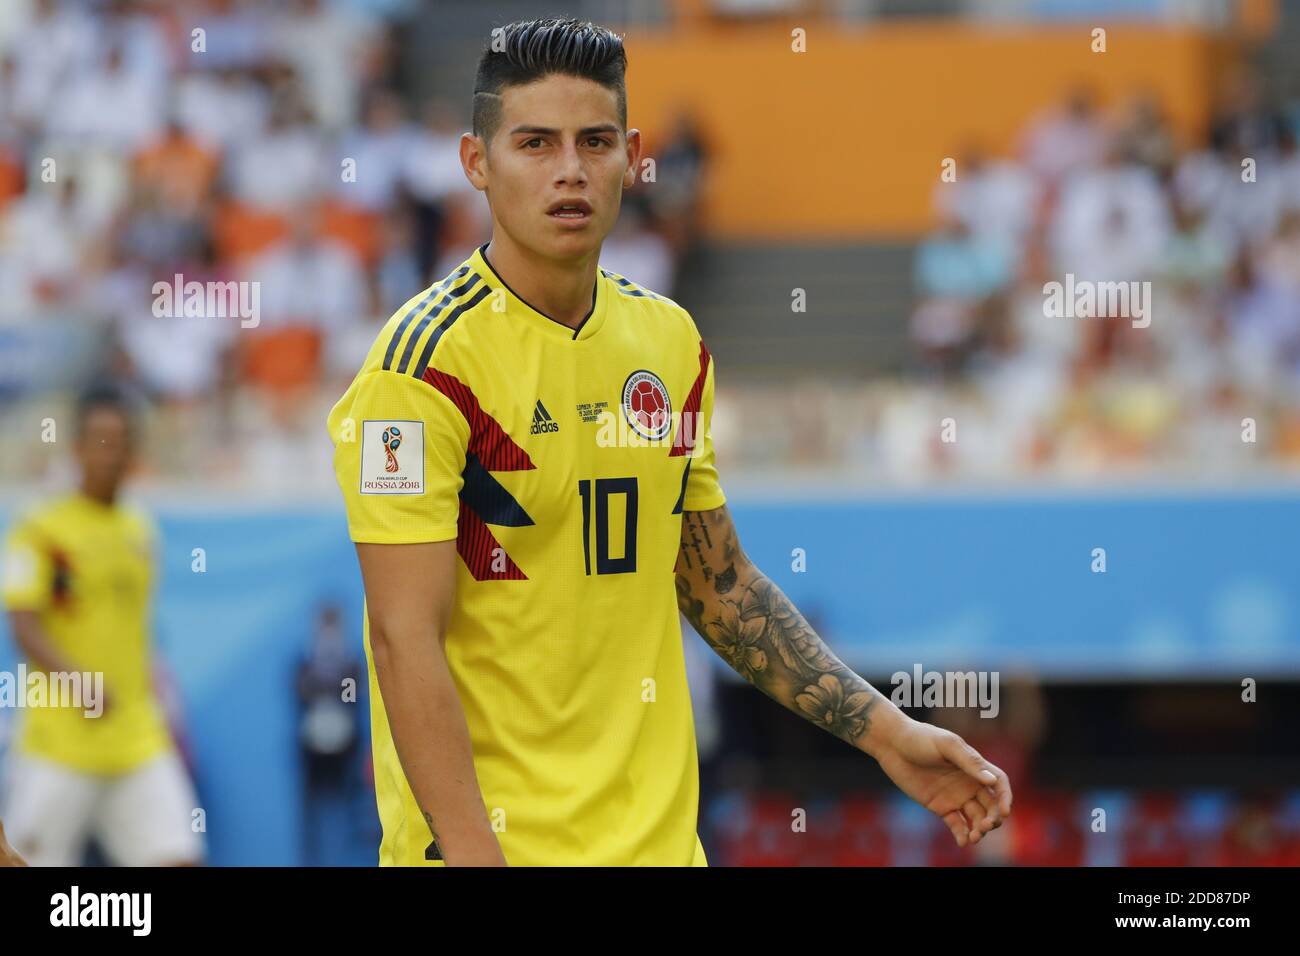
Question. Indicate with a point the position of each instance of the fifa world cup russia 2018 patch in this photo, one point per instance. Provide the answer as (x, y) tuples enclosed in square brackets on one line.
[(392, 458), (646, 405)]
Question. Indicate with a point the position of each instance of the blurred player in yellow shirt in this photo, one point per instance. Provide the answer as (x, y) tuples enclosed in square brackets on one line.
[(77, 585)]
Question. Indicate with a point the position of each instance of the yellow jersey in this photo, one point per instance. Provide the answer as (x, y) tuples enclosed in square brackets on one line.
[(560, 460), (86, 569)]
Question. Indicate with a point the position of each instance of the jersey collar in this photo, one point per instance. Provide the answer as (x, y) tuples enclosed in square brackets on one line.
[(540, 320)]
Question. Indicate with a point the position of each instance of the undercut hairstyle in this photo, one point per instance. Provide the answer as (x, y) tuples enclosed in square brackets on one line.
[(106, 395), (528, 50)]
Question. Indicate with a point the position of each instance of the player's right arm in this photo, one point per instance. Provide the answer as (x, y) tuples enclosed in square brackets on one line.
[(410, 589), (28, 589), (400, 449)]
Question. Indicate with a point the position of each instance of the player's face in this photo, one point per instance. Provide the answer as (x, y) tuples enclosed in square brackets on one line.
[(104, 449), (559, 142)]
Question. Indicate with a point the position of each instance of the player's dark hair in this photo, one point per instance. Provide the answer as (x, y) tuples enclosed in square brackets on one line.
[(105, 395), (528, 50)]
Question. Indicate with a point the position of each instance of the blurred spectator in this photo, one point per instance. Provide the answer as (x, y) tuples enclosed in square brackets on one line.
[(11, 121), (634, 250), (996, 201), (179, 168), (172, 357), (310, 286), (1111, 223), (398, 271), (433, 175), (57, 40), (109, 105), (956, 263), (1066, 141), (1244, 121), (675, 197), (220, 107), (379, 149), (283, 166), (315, 37), (1144, 137), (236, 34), (45, 242), (328, 685)]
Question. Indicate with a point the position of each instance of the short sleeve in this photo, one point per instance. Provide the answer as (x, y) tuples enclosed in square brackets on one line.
[(27, 573), (399, 457), (703, 491)]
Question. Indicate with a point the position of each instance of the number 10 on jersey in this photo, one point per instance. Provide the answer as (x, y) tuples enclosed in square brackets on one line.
[(604, 489)]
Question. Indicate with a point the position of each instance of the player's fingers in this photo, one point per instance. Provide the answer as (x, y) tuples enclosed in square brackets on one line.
[(1001, 787), (957, 824), (992, 816), (958, 752), (975, 814), (996, 802)]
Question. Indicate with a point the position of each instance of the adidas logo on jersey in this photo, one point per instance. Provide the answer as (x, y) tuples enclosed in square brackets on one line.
[(542, 421)]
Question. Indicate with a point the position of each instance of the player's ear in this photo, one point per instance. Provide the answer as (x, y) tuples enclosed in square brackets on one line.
[(633, 157), (473, 160)]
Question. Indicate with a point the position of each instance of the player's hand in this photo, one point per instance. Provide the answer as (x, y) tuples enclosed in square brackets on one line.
[(948, 777), (8, 856)]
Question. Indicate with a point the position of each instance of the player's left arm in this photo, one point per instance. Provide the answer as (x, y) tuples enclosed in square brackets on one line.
[(754, 627)]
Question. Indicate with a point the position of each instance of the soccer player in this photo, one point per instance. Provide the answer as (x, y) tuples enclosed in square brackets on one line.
[(526, 458), (78, 575)]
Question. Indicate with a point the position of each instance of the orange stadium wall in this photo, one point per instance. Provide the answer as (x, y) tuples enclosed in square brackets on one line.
[(845, 141)]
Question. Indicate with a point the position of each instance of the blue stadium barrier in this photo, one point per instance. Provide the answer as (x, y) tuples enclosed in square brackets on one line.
[(1194, 586)]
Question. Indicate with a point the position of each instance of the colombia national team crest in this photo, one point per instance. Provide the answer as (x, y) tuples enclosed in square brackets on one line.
[(646, 405)]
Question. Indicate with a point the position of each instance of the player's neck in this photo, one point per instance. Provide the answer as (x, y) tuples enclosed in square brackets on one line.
[(105, 497), (561, 290)]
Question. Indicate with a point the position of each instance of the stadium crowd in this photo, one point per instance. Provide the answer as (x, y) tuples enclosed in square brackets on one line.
[(1211, 230), (286, 145), (280, 146)]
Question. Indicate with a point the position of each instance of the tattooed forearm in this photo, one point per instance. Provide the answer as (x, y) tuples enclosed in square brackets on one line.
[(755, 628)]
